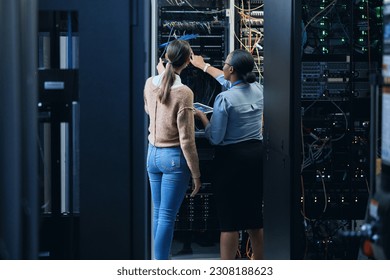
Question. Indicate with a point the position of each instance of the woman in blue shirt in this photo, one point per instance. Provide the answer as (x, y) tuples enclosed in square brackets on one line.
[(235, 127)]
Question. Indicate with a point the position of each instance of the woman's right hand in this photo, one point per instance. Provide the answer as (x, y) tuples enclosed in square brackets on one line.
[(196, 184), (198, 61)]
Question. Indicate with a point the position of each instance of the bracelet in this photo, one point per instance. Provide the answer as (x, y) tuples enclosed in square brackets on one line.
[(207, 65)]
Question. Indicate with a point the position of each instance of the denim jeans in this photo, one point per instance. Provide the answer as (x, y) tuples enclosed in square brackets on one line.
[(169, 177)]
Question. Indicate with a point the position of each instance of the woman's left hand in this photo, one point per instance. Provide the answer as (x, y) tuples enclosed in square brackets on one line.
[(202, 117), (198, 113), (196, 184)]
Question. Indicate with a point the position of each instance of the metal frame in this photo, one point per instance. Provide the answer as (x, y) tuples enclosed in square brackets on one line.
[(282, 51)]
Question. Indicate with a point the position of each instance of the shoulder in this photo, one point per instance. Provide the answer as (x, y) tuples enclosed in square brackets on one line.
[(182, 94), (148, 82), (257, 85), (222, 100), (184, 88), (182, 91), (257, 88), (227, 94)]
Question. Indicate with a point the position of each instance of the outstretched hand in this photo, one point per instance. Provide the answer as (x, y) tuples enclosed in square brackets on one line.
[(197, 61)]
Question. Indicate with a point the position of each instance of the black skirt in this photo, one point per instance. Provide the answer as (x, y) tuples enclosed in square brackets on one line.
[(238, 185)]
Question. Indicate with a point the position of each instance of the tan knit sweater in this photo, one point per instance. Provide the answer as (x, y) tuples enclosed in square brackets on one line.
[(172, 124)]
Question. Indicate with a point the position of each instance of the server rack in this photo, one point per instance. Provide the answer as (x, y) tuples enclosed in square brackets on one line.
[(342, 48), (113, 220), (58, 141), (249, 31)]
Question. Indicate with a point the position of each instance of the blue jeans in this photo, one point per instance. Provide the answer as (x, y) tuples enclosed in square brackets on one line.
[(169, 177)]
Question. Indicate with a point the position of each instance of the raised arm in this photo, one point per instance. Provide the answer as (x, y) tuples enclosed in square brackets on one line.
[(160, 66), (199, 62)]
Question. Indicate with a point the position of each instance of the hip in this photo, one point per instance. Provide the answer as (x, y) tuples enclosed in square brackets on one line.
[(166, 159)]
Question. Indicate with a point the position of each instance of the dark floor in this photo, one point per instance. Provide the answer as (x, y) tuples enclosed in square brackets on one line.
[(195, 245), (204, 245)]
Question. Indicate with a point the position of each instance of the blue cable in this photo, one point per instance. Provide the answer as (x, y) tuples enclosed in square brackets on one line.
[(184, 37)]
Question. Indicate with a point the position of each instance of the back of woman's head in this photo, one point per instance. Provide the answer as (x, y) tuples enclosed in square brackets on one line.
[(178, 53), (243, 63)]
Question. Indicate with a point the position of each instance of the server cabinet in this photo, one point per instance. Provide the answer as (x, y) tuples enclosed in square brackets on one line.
[(282, 55), (317, 124), (105, 138), (342, 50), (249, 31), (58, 137)]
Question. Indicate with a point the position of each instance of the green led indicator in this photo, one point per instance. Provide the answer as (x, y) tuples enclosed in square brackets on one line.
[(378, 11)]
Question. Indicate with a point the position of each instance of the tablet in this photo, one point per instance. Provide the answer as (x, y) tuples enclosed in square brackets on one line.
[(202, 107)]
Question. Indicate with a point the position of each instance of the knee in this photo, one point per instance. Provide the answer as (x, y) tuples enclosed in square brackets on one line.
[(166, 216), (229, 234)]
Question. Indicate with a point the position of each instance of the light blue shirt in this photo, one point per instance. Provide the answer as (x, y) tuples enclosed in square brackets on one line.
[(237, 114)]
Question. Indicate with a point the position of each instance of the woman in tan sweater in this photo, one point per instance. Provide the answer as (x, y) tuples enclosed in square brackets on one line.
[(172, 157)]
